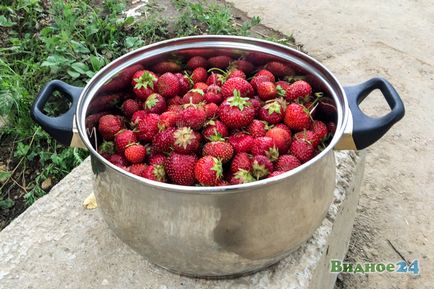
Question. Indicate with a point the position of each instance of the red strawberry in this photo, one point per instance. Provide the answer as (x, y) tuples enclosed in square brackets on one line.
[(235, 73), (167, 119), (272, 112), (275, 173), (241, 161), (147, 127), (284, 126), (219, 149), (281, 139), (213, 94), (210, 109), (279, 69), (118, 160), (177, 100), (214, 89), (261, 167), (283, 89), (243, 65), (320, 129), (155, 173), (300, 88), (211, 97), (135, 153), (194, 96), (144, 83), (208, 171), (221, 61), (123, 138), (184, 83), (222, 183), (166, 66), (241, 142), (192, 116), (163, 141), (302, 150), (157, 159), (257, 128), (109, 125), (266, 90), (237, 84), (215, 127), (186, 141), (200, 85), (241, 177), (236, 112), (257, 104), (129, 107), (106, 149), (286, 163), (297, 117), (197, 61), (308, 136), (215, 78), (175, 108), (168, 85), (138, 115), (267, 74), (199, 75), (180, 169), (137, 169), (92, 120), (155, 104), (265, 146), (256, 80)]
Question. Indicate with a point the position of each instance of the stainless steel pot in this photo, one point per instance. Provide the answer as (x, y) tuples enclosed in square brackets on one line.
[(216, 231)]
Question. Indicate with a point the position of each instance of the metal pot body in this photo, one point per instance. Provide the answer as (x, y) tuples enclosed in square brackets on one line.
[(216, 234), (216, 231)]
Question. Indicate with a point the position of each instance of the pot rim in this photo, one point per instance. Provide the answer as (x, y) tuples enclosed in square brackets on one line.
[(134, 56)]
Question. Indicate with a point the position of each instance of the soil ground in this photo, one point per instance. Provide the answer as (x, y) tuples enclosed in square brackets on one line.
[(359, 40)]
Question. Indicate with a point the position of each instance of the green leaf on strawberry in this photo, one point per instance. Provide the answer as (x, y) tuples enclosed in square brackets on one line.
[(151, 101), (217, 167), (238, 101), (145, 80)]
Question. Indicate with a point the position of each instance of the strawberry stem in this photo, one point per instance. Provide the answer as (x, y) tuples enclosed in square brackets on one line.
[(238, 101), (218, 70), (217, 167), (145, 80), (184, 136), (244, 176)]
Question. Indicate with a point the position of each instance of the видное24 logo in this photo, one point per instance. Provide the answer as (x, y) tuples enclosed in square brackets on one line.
[(338, 266)]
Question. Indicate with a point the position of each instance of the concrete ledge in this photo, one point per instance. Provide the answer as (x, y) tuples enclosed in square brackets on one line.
[(56, 243)]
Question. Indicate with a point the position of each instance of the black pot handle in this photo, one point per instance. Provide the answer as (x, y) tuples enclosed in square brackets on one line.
[(367, 130), (59, 127)]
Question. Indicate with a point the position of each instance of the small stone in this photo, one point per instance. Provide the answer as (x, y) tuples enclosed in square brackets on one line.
[(90, 202), (47, 184)]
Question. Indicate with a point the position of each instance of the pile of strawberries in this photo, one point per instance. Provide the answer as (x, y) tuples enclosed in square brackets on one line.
[(215, 122)]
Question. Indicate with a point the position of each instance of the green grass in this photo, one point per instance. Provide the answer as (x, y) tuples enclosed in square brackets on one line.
[(45, 40), (214, 18), (65, 40)]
